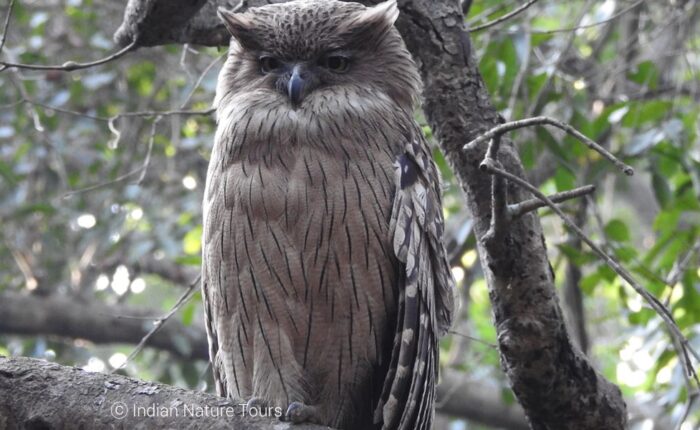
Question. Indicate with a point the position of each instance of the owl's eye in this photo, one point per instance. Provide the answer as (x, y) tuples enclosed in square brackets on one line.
[(336, 63), (269, 64)]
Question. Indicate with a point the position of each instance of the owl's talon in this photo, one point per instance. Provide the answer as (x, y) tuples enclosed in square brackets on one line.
[(298, 413)]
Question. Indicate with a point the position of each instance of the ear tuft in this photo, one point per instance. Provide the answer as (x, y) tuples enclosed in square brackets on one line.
[(370, 25), (234, 22), (240, 25), (386, 11)]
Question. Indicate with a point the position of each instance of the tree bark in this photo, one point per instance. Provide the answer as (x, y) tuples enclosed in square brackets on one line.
[(33, 395), (97, 322), (553, 380)]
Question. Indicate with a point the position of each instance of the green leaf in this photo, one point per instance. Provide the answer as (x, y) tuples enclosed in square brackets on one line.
[(645, 74), (626, 253), (192, 242), (646, 112), (617, 230), (588, 283), (188, 313), (564, 179), (575, 255), (535, 83), (189, 260)]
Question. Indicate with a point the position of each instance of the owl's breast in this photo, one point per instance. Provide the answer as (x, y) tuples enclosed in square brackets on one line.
[(291, 187)]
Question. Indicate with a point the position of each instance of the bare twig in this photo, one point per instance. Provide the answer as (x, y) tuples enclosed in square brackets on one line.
[(517, 210), (679, 267), (158, 324), (505, 17), (682, 345), (11, 105), (151, 139), (166, 113), (62, 110), (543, 120), (535, 105), (140, 170), (69, 66), (145, 114), (103, 184), (595, 24), (6, 25), (522, 71), (200, 79), (499, 196), (475, 339)]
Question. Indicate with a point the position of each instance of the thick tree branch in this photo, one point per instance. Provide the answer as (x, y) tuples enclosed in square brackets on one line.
[(33, 395), (97, 322)]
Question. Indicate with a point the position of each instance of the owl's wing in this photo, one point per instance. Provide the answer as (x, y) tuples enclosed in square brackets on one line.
[(426, 290), (215, 213)]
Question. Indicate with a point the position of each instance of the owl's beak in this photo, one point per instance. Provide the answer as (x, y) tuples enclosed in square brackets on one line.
[(296, 85)]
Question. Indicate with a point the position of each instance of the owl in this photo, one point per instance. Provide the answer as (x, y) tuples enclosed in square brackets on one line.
[(325, 281)]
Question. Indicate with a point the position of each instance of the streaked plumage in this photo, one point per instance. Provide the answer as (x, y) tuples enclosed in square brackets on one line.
[(325, 280)]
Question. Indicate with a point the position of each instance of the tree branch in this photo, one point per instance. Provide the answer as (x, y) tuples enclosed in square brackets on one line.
[(543, 120), (55, 315), (33, 395), (5, 26), (517, 210), (505, 17), (69, 66), (97, 322), (457, 397)]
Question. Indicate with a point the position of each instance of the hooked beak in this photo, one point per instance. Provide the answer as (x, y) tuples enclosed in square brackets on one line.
[(296, 85)]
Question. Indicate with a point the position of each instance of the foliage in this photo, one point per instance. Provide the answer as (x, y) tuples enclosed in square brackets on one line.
[(78, 220)]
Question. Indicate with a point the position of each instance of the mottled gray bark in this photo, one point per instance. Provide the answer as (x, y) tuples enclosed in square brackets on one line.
[(97, 322), (33, 395), (553, 381)]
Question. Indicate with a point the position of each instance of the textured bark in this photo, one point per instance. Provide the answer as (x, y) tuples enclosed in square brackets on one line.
[(553, 381), (33, 395), (97, 322)]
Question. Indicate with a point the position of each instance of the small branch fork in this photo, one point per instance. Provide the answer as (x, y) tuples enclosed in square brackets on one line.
[(503, 214), (544, 120)]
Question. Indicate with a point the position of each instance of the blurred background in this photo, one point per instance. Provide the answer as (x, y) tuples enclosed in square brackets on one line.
[(102, 172)]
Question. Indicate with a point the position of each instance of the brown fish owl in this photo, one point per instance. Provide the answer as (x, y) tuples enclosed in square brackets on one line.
[(325, 281)]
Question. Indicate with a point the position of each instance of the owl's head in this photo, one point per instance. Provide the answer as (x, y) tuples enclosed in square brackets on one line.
[(304, 53)]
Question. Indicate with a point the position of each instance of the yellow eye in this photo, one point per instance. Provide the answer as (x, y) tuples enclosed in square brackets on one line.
[(269, 64), (336, 63)]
